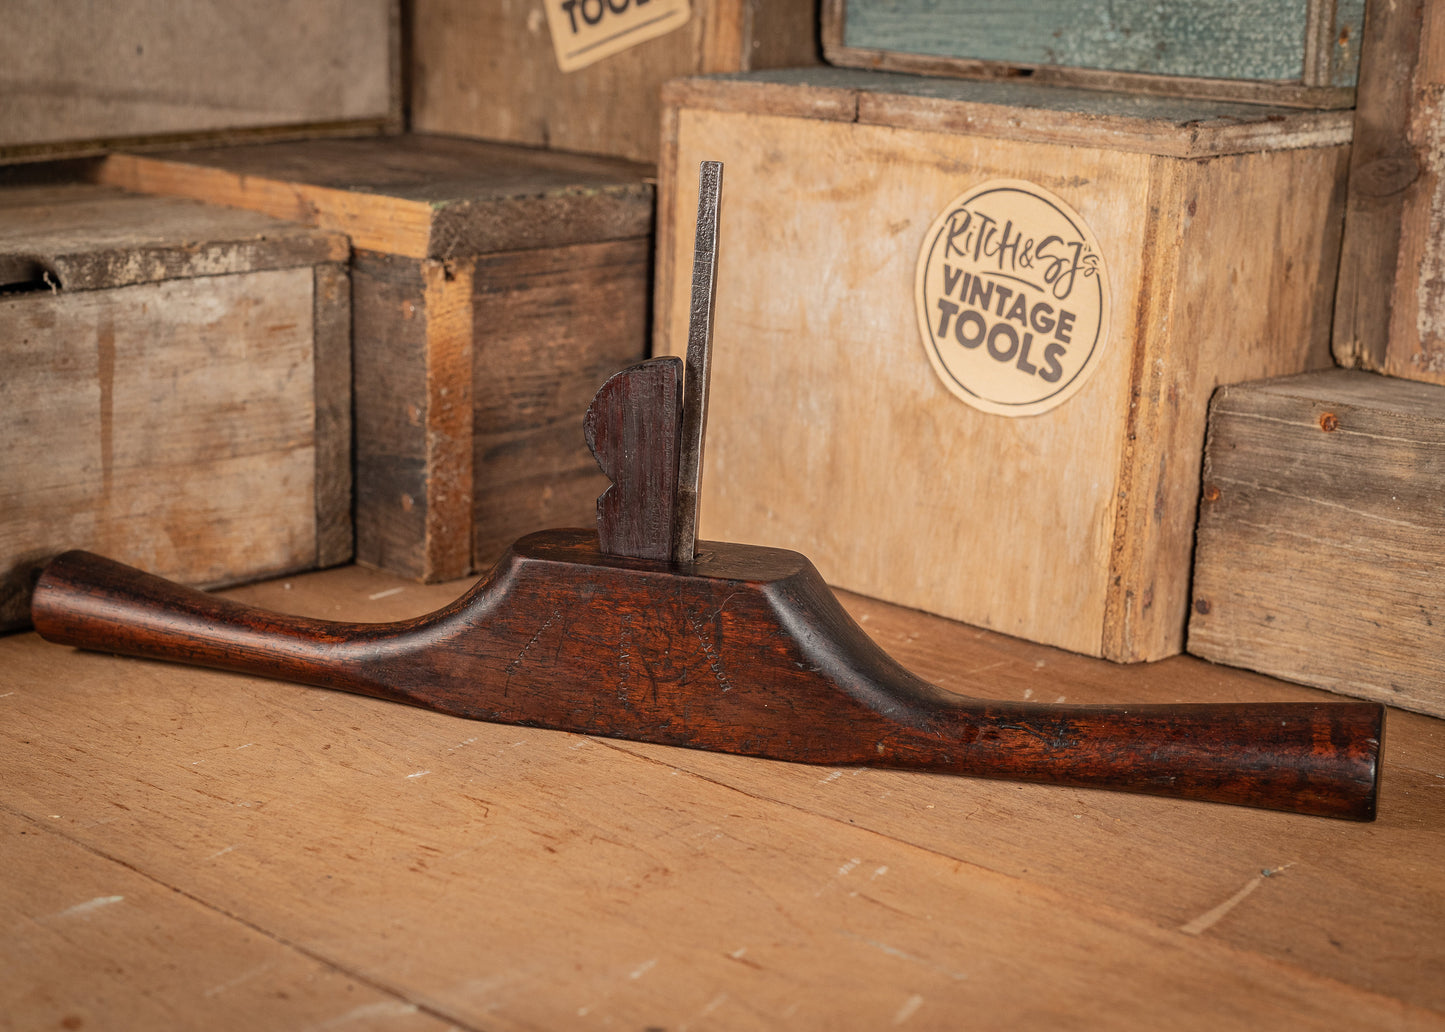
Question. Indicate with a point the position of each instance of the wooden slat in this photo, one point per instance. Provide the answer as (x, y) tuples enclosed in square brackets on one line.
[(555, 325), (1322, 535), (507, 878), (95, 237), (418, 196), (331, 324), (1392, 270), (75, 74), (1177, 126)]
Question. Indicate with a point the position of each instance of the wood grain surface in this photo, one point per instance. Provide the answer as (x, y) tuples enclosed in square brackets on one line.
[(173, 422), (487, 69), (1322, 533), (77, 77), (1392, 270), (830, 432), (496, 877)]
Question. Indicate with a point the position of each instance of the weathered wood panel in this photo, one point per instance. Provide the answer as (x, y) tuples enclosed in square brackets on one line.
[(830, 433), (1299, 52), (1392, 271), (379, 839), (169, 422), (1322, 535), (552, 326), (486, 68), (78, 75)]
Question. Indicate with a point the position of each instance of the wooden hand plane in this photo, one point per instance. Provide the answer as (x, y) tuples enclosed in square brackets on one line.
[(639, 631)]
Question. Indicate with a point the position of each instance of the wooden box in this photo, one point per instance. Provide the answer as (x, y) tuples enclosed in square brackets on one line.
[(174, 388), (1390, 309), (81, 76), (1303, 53), (1322, 535), (1218, 228), (494, 289), (487, 68)]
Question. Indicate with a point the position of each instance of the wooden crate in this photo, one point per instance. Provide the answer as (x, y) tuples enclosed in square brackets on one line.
[(175, 388), (81, 76), (486, 68), (494, 289), (830, 432), (1301, 53), (1322, 535), (1390, 308)]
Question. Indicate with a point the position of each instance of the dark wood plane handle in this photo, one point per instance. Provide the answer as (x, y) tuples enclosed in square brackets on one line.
[(745, 651)]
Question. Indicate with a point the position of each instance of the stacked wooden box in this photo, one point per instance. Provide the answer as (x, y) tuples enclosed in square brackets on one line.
[(176, 388), (494, 289), (1218, 228), (82, 77)]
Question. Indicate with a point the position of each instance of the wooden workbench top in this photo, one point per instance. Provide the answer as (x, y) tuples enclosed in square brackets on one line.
[(191, 849)]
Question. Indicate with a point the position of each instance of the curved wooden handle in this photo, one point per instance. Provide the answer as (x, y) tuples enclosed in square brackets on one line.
[(96, 603)]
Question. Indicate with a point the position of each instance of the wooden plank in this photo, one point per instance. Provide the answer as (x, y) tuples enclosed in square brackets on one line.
[(1176, 126), (621, 888), (168, 422), (416, 195), (331, 324), (487, 69), (1292, 52), (1392, 270), (389, 363), (92, 943), (1322, 534), (930, 503), (557, 325), (86, 237), (77, 75)]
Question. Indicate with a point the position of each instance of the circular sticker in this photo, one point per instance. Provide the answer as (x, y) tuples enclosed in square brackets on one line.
[(1013, 300)]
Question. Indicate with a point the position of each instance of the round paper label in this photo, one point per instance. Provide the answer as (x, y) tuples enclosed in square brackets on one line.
[(1013, 300)]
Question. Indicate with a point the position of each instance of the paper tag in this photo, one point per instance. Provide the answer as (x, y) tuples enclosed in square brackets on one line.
[(584, 31), (1013, 298)]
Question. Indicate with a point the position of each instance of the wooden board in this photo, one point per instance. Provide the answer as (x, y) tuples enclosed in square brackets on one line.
[(1392, 269), (418, 196), (181, 395), (78, 78), (1322, 534), (829, 431), (500, 878), (486, 68), (1295, 52)]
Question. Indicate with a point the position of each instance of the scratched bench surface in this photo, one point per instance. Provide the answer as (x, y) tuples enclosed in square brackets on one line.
[(185, 848)]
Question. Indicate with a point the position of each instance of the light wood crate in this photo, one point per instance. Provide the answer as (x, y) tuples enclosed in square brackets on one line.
[(1322, 535), (829, 431), (1303, 53), (175, 388), (486, 68), (495, 288)]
